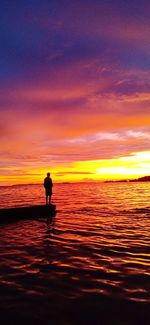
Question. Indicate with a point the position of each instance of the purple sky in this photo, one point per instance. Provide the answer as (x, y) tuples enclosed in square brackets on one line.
[(74, 84)]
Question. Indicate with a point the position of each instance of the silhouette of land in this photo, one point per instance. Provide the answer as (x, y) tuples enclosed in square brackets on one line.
[(140, 179)]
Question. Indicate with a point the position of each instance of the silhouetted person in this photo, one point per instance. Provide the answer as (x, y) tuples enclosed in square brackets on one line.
[(48, 188)]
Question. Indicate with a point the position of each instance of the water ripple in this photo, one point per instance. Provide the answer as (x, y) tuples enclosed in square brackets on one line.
[(98, 244)]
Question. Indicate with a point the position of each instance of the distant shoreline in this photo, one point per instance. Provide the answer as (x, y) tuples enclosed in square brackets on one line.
[(140, 179)]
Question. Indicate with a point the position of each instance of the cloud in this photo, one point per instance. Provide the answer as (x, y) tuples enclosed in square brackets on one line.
[(72, 173), (74, 80)]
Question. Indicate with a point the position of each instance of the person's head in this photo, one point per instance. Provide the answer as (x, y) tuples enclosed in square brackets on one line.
[(48, 174)]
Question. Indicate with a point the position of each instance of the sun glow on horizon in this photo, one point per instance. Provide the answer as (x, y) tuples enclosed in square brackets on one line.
[(74, 96), (129, 167)]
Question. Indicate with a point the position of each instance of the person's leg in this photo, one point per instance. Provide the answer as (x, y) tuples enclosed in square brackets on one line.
[(46, 199), (49, 199)]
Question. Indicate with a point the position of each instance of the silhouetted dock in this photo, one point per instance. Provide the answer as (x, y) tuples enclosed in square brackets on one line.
[(28, 212)]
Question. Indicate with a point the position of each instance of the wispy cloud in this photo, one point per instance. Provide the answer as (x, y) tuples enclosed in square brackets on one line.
[(74, 83)]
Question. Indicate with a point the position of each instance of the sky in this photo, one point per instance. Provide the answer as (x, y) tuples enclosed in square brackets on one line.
[(74, 90)]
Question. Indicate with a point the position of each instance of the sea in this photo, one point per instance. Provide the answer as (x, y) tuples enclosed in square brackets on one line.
[(87, 264)]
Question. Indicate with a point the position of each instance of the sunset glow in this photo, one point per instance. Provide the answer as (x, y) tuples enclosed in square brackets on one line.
[(74, 96)]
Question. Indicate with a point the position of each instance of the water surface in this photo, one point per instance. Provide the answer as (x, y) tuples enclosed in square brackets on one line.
[(90, 264)]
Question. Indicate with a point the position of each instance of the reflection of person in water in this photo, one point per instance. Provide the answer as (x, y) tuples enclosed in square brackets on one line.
[(48, 188), (50, 226)]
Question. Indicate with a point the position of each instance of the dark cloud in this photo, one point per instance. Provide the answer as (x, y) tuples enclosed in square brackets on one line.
[(72, 173)]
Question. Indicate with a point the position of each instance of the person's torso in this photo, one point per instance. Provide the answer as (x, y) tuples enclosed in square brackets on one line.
[(48, 182)]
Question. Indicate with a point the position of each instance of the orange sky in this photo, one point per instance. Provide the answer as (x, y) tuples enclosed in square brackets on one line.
[(74, 96)]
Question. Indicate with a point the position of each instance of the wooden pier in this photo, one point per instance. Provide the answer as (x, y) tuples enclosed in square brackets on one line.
[(28, 212)]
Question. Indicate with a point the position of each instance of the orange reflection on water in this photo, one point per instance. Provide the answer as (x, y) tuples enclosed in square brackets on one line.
[(97, 242)]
